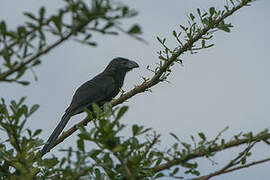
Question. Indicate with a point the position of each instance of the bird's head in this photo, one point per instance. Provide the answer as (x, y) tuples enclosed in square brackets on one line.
[(121, 64)]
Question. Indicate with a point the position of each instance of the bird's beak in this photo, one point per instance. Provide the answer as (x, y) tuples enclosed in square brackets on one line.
[(132, 64)]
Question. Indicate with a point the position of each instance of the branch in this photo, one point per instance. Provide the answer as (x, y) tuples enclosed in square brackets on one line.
[(163, 69), (247, 165), (125, 167), (233, 143), (238, 168), (232, 163)]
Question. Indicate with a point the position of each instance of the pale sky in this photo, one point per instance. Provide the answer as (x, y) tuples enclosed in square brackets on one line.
[(227, 85)]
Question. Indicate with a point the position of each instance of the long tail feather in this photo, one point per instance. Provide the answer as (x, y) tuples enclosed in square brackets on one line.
[(52, 139)]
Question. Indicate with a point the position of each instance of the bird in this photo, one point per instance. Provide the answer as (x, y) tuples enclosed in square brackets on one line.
[(101, 89)]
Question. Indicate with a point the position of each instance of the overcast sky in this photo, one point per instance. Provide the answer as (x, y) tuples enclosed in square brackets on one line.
[(227, 85)]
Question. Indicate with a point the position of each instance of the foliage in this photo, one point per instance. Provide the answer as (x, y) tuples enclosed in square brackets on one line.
[(113, 156), (22, 48)]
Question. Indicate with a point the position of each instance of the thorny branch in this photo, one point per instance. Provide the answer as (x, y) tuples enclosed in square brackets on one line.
[(233, 143), (232, 163), (246, 165)]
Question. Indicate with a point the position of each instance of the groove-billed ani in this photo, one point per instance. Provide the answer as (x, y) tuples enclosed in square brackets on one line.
[(99, 90)]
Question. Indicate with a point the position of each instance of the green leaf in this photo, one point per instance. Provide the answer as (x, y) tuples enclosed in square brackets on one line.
[(243, 160), (205, 21), (190, 165), (25, 83), (124, 10), (89, 113), (203, 43), (21, 101), (192, 17), (224, 27), (175, 34), (108, 25), (41, 12), (209, 46), (202, 136), (21, 30), (94, 153), (158, 38), (232, 2), (199, 11), (57, 20), (187, 146), (37, 132), (97, 109), (21, 72), (49, 163), (29, 132), (36, 62), (31, 16), (3, 29), (33, 109), (118, 148), (98, 174), (173, 135), (107, 107), (87, 37), (184, 28), (135, 30), (80, 144), (121, 112), (212, 11), (159, 175), (136, 129), (175, 171), (145, 130), (84, 135), (91, 43)]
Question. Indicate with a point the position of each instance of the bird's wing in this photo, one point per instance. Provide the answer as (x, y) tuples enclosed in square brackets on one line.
[(97, 90)]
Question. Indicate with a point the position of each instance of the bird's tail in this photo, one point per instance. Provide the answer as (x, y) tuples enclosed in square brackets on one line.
[(52, 139)]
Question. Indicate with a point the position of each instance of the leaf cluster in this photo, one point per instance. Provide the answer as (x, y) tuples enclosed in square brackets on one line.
[(112, 155), (20, 49)]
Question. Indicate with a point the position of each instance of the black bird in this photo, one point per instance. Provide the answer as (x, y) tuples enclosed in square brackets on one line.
[(99, 90)]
